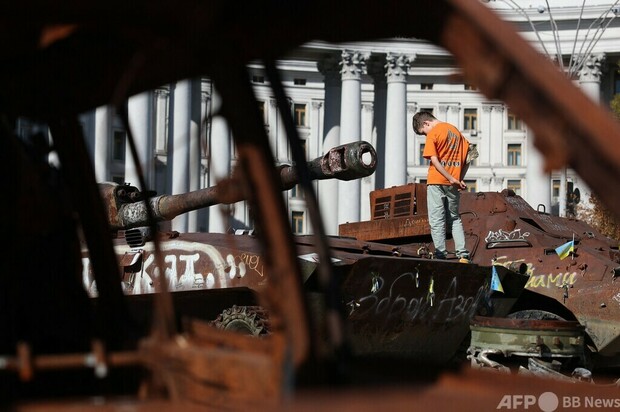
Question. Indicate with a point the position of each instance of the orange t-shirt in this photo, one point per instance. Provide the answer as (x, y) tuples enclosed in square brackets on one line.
[(447, 143)]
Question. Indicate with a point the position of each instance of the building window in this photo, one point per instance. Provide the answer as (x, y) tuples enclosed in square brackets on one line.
[(555, 191), (297, 222), (472, 185), (427, 109), (300, 114), (118, 146), (426, 86), (297, 191), (261, 109), (514, 123), (299, 82), (258, 79), (423, 160), (470, 119), (514, 155), (118, 179), (515, 186)]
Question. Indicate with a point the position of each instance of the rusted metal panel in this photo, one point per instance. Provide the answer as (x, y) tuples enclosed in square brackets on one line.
[(398, 201), (414, 308), (192, 261), (501, 228), (387, 229), (392, 203), (398, 306)]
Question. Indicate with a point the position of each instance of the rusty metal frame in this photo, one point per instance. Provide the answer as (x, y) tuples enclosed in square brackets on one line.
[(88, 54)]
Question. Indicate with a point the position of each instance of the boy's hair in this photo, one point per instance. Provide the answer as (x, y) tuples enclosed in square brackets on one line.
[(419, 118)]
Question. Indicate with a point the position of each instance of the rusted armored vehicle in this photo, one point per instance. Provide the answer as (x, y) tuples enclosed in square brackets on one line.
[(394, 303), (570, 282)]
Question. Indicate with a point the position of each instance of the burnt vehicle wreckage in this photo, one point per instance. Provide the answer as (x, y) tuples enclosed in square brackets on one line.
[(567, 309), (406, 306), (71, 57)]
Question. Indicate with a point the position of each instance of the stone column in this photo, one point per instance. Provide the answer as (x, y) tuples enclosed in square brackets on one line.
[(443, 110), (590, 76), (377, 114), (140, 119), (281, 152), (328, 189), (538, 182), (103, 132), (451, 113), (162, 96), (272, 119), (367, 184), (205, 125), (180, 147), (412, 148), (590, 83), (486, 138), (316, 128), (194, 148), (396, 67), (314, 148), (353, 64), (219, 163), (160, 123), (496, 134)]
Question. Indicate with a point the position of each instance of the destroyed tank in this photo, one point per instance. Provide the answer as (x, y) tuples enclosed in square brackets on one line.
[(393, 302), (201, 262), (570, 305)]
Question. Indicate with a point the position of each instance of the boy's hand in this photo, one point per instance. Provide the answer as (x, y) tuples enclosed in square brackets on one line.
[(458, 184)]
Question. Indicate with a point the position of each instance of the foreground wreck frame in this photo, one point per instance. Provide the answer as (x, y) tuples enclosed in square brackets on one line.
[(86, 55)]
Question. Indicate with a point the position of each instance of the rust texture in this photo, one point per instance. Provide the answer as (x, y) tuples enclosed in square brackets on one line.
[(502, 229)]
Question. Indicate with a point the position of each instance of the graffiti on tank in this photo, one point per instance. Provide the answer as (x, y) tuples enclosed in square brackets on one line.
[(551, 280), (187, 265), (413, 222), (494, 238), (544, 280), (446, 307), (250, 261), (617, 297), (518, 203), (553, 224)]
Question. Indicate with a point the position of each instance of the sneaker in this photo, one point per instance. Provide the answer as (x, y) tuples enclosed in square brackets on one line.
[(464, 260)]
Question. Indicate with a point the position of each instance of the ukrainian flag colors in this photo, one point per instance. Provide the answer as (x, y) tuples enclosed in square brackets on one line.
[(565, 249), (496, 284)]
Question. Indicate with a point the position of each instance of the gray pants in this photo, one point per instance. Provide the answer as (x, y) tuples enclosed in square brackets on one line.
[(443, 209)]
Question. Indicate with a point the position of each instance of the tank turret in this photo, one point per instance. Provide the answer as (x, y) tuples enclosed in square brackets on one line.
[(126, 205)]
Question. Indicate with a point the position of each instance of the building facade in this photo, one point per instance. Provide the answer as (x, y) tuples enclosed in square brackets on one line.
[(339, 93)]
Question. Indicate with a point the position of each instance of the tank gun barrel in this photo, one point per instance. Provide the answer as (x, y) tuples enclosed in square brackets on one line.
[(346, 162), (127, 209)]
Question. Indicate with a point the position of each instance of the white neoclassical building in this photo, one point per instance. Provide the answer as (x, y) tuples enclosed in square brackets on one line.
[(369, 91)]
